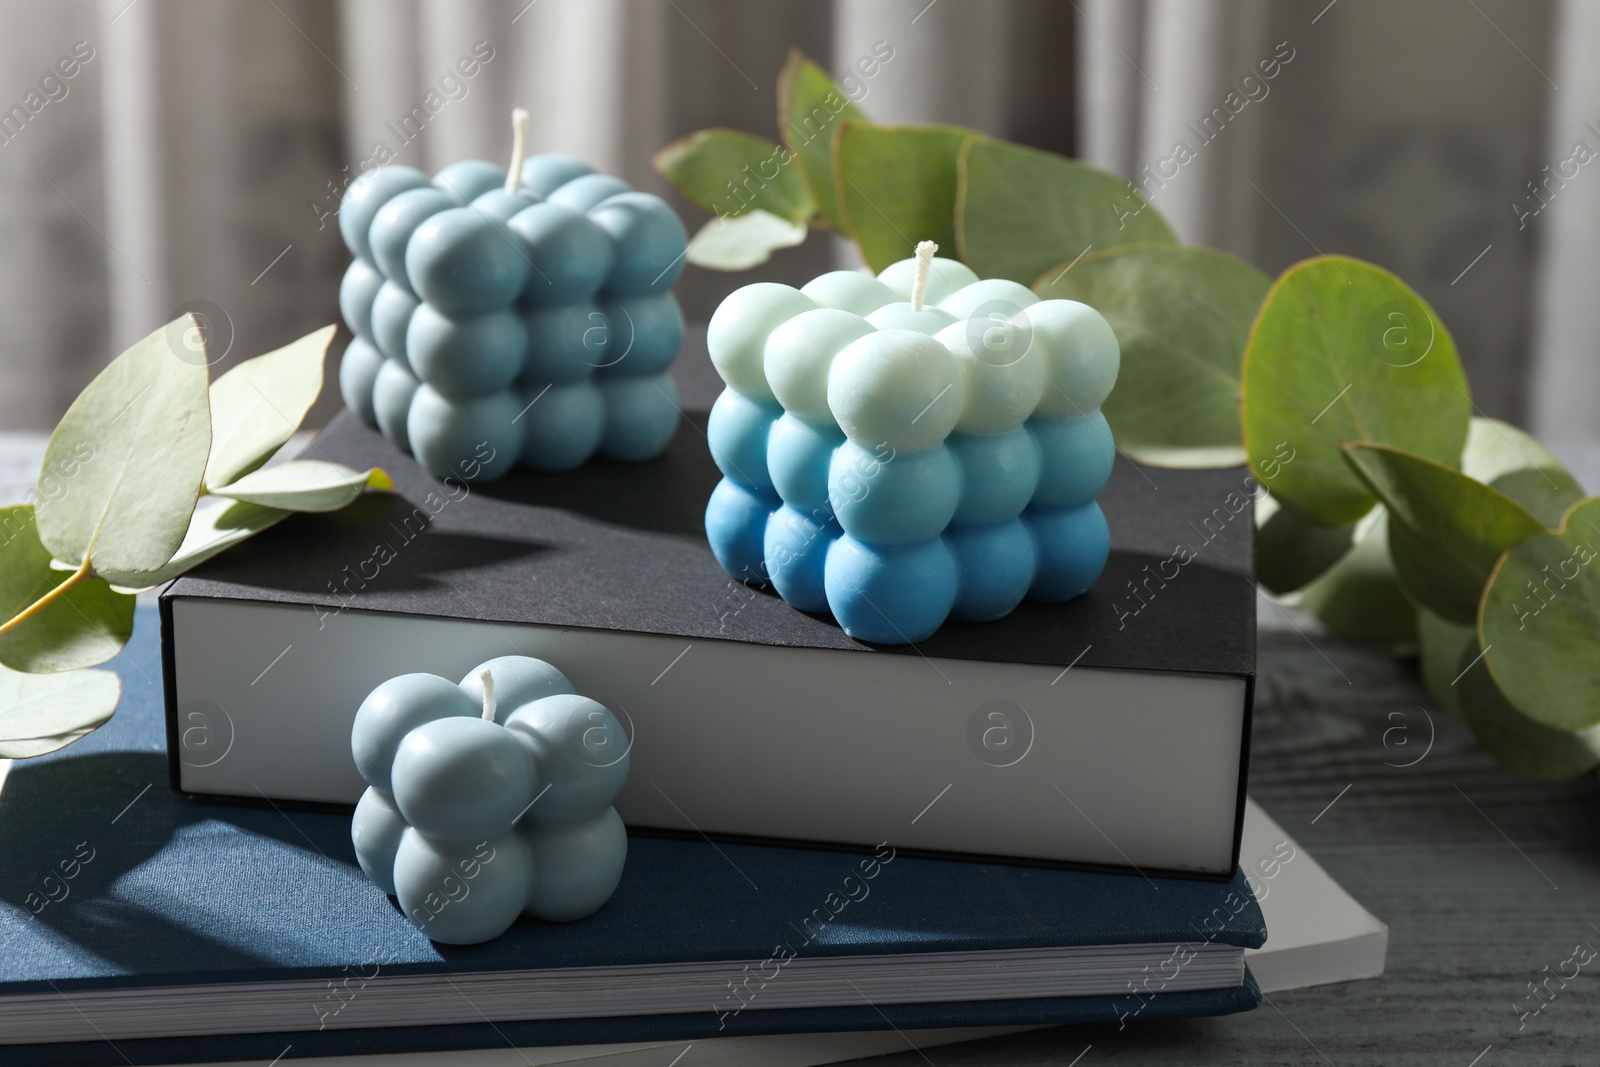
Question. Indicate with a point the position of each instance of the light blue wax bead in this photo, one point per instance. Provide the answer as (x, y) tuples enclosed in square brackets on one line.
[(900, 316), (736, 337), (581, 751), (468, 440), (1076, 456), (502, 206), (579, 866), (375, 831), (997, 562), (469, 179), (646, 332), (850, 290), (466, 356), (358, 372), (892, 595), (391, 318), (796, 551), (799, 356), (356, 293), (989, 298), (462, 779), (549, 171), (394, 225), (999, 473), (365, 196), (641, 417), (585, 191), (565, 342), (1081, 352), (736, 431), (463, 893), (392, 392), (1073, 546), (394, 709), (888, 499), (465, 264), (649, 239), (518, 680), (945, 276), (570, 255), (798, 456), (736, 527), (561, 424)]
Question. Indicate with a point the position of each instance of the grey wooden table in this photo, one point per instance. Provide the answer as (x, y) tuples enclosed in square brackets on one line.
[(1485, 879)]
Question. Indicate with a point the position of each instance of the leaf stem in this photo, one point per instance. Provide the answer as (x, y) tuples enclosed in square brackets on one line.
[(43, 602)]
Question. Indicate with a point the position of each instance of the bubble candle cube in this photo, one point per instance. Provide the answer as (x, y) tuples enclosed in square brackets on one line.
[(489, 799), (913, 447), (506, 315)]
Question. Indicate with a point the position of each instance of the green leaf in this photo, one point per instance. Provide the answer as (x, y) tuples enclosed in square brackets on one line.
[(1344, 351), (259, 404), (810, 107), (1358, 598), (897, 187), (123, 469), (1540, 623), (1516, 741), (1021, 211), (743, 242), (1182, 318), (729, 172), (87, 624), (305, 485), (1290, 551), (218, 524), (1445, 530), (39, 713), (1442, 643), (1509, 459)]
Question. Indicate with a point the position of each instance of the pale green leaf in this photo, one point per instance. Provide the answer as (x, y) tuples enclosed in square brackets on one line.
[(897, 187), (1509, 459), (39, 713), (729, 172), (87, 624), (743, 242), (1290, 551), (259, 404), (1515, 741), (810, 108), (1442, 643), (1358, 599), (218, 524), (124, 468), (305, 485)]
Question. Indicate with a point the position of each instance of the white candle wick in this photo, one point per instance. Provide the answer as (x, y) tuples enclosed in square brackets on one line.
[(519, 146), (488, 694), (919, 283)]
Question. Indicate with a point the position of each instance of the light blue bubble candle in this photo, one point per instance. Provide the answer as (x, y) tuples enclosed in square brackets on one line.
[(511, 315), (913, 447), (489, 799)]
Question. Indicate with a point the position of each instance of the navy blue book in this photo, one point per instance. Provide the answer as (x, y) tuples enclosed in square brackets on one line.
[(140, 926)]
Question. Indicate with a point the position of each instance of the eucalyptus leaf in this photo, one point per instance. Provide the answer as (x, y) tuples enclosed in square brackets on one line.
[(1182, 318), (1515, 741), (124, 467), (1442, 643), (1540, 622), (1344, 351), (259, 404), (897, 187), (810, 108), (40, 713), (1358, 599), (1290, 551), (730, 172), (1445, 530), (1021, 211), (218, 524), (1499, 454), (305, 485), (744, 241), (87, 624)]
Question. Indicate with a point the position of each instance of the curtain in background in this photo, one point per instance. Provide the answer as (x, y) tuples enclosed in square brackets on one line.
[(194, 159)]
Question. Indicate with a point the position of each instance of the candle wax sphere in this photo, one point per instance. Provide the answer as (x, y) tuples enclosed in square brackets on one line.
[(462, 779), (462, 893), (393, 710), (366, 196), (580, 865)]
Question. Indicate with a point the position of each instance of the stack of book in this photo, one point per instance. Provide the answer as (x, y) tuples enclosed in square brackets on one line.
[(836, 849)]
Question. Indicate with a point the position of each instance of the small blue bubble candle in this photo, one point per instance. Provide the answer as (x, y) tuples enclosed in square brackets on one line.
[(511, 315), (489, 799), (913, 447)]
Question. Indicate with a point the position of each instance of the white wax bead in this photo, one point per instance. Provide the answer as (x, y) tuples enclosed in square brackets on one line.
[(849, 290), (799, 354), (737, 334), (900, 316), (992, 295), (1081, 357), (1004, 374), (944, 277), (896, 389)]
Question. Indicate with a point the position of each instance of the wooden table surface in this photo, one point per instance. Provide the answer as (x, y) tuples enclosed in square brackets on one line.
[(1485, 879)]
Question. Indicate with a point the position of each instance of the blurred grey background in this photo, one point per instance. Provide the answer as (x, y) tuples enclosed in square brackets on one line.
[(195, 156)]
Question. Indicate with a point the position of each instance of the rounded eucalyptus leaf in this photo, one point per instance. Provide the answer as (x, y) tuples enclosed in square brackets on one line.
[(1442, 643), (1539, 622), (730, 172), (1022, 211), (259, 404), (1344, 351), (1515, 741), (810, 108), (305, 485), (1291, 551), (40, 713), (897, 187), (1358, 599), (217, 524), (87, 624), (125, 465), (743, 241), (1182, 318), (1510, 460)]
